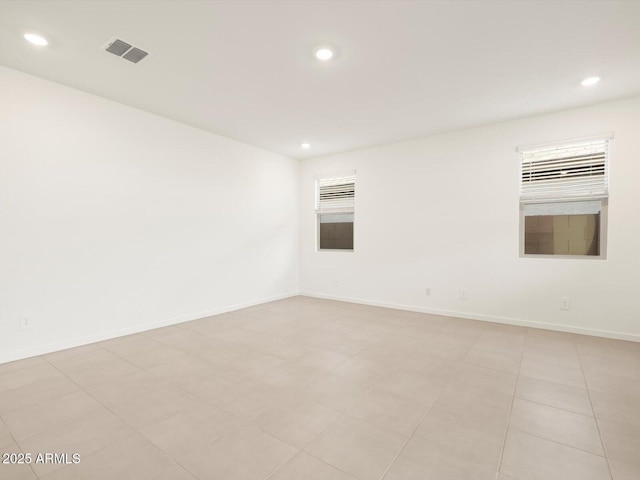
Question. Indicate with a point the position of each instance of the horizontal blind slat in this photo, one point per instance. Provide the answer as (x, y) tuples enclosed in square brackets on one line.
[(335, 193), (575, 170)]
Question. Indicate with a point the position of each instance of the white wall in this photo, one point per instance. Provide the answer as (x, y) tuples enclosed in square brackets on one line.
[(442, 212), (113, 220)]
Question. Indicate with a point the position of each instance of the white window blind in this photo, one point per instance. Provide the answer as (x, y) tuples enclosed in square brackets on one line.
[(336, 194), (567, 172)]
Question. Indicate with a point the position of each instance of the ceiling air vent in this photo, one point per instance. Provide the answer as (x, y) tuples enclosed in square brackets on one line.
[(125, 50), (135, 55)]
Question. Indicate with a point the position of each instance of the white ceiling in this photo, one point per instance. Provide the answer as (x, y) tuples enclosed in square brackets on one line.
[(403, 69)]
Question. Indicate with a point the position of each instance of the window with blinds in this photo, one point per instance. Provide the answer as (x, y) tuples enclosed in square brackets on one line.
[(335, 201), (575, 171), (563, 196)]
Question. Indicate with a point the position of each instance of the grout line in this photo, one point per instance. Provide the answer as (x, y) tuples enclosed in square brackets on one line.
[(604, 450), (513, 399), (18, 445)]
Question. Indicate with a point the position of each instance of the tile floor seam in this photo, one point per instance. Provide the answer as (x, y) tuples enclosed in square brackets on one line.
[(557, 442), (602, 443), (506, 430), (386, 472), (137, 432), (15, 442), (537, 402), (303, 449), (551, 381)]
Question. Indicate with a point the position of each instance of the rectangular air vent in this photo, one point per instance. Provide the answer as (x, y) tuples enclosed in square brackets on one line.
[(135, 55), (125, 50)]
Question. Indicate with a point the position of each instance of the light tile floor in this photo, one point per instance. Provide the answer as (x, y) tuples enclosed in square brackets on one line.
[(309, 389)]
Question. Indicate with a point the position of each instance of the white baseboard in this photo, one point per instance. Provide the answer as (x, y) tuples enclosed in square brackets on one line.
[(99, 337), (485, 318)]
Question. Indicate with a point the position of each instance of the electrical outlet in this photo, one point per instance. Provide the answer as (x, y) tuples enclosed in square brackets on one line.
[(427, 291), (463, 295), (25, 322), (565, 303)]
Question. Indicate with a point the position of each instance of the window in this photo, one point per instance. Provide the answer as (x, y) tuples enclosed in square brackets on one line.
[(563, 198), (335, 197)]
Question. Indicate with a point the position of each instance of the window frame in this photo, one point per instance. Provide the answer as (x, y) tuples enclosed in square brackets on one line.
[(604, 201), (342, 210)]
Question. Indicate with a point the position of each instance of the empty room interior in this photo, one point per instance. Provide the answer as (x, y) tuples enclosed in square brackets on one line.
[(319, 240)]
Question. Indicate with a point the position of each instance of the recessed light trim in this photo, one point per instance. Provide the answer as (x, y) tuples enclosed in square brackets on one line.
[(36, 39), (324, 54), (306, 145), (588, 82)]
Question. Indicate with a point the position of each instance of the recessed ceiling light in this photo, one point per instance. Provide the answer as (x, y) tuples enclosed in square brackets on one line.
[(36, 39), (306, 145), (324, 54), (587, 82)]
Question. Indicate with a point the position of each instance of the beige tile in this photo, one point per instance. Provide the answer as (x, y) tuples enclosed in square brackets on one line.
[(133, 458), (70, 352), (548, 356), (460, 338), (461, 437), (487, 379), (616, 408), (628, 367), (335, 392), (553, 373), (436, 352), (256, 364), (83, 436), (85, 358), (572, 429), (560, 342), (129, 386), (5, 436), (297, 424), (500, 342), (363, 373), (175, 473), (177, 371), (247, 453), (104, 372), (413, 386), (190, 430), (209, 387), (34, 393), (621, 442), (389, 411), (128, 344), (21, 364), (155, 356), (554, 394), (357, 448), (483, 409), (169, 335), (286, 350), (48, 415), (321, 359), (527, 457), (19, 377), (257, 341), (422, 460), (494, 360), (623, 471), (153, 407), (290, 374), (306, 467), (612, 384), (15, 471), (252, 397)]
